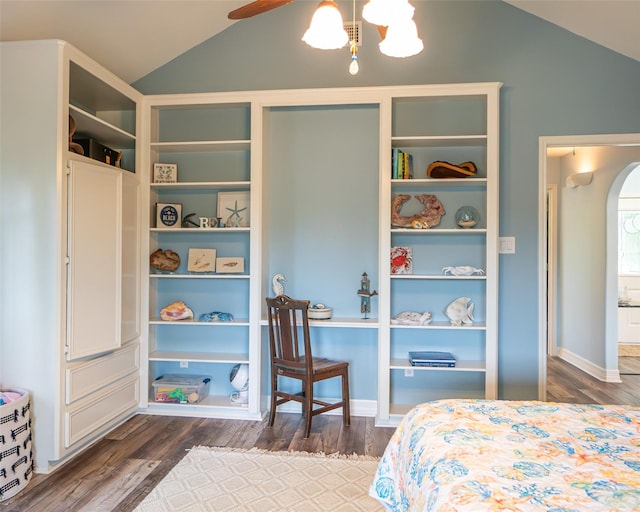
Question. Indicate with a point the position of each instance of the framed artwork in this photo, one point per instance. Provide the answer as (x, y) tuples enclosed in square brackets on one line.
[(201, 260), (401, 260), (233, 209), (168, 215), (229, 265), (165, 173)]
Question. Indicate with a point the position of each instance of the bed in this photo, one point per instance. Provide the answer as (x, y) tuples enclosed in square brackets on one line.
[(481, 455)]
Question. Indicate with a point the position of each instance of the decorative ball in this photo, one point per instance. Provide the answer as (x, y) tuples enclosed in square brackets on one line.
[(467, 217)]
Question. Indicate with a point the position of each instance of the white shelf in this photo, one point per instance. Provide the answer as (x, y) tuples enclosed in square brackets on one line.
[(476, 326), (433, 182), (337, 322), (201, 146), (439, 231), (439, 141), (200, 185), (187, 323), (90, 126), (199, 276), (212, 406), (438, 277), (197, 357), (461, 366), (200, 230)]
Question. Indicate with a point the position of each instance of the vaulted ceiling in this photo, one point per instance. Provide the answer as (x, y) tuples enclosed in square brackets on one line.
[(133, 37)]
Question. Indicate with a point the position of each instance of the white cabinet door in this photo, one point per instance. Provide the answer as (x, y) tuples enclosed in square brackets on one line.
[(95, 259)]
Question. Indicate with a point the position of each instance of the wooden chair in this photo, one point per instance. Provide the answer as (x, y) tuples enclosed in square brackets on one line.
[(288, 321)]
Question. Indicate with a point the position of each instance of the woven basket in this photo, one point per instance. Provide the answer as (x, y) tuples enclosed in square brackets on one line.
[(16, 458)]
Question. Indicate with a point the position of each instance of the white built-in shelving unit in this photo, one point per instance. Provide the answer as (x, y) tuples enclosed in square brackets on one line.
[(71, 246), (456, 124)]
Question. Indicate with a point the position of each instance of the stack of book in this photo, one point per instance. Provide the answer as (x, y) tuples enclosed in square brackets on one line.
[(432, 358), (401, 165)]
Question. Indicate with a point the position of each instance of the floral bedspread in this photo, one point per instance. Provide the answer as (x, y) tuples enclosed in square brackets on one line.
[(477, 455)]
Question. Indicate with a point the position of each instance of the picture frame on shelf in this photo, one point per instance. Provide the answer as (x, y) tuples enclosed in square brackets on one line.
[(230, 265), (165, 173), (233, 209), (201, 261), (168, 215), (401, 260)]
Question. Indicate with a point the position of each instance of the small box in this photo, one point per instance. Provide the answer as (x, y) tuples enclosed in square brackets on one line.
[(97, 151), (229, 265), (165, 173), (180, 388), (168, 215)]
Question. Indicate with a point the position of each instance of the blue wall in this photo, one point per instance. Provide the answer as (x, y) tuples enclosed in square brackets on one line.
[(555, 83)]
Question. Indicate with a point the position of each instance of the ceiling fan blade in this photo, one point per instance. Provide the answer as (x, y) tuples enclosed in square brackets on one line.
[(255, 8)]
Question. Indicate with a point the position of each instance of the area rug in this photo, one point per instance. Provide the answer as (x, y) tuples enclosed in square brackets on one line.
[(223, 479)]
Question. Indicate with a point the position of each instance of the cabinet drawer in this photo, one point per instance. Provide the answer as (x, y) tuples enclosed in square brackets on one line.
[(83, 379), (96, 413)]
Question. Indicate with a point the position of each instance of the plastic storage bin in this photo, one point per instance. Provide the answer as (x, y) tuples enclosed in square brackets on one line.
[(181, 389), (16, 458)]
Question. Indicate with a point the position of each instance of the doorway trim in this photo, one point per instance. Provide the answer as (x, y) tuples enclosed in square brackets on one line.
[(546, 142), (551, 259)]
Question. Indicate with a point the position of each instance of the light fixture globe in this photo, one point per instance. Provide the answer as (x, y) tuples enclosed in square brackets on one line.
[(239, 379), (384, 12), (326, 31), (402, 39)]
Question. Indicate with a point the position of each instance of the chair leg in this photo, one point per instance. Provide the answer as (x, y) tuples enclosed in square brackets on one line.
[(307, 406), (346, 409), (274, 392)]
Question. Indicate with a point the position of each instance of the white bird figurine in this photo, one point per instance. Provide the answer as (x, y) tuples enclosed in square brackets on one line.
[(276, 283)]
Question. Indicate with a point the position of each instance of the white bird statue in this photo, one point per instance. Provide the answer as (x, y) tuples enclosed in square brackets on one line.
[(276, 283)]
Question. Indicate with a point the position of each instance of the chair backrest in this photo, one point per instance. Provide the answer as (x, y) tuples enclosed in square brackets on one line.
[(288, 321)]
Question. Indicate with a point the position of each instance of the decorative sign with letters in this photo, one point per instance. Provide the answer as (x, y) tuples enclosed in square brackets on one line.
[(165, 173), (168, 215)]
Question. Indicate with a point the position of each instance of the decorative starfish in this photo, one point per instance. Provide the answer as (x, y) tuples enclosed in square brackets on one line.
[(234, 218)]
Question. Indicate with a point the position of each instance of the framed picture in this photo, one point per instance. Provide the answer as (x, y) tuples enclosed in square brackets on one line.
[(168, 215), (401, 260), (165, 173), (233, 209), (229, 265), (201, 260)]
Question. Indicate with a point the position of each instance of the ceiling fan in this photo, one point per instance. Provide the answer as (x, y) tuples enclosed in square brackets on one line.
[(403, 41), (256, 7)]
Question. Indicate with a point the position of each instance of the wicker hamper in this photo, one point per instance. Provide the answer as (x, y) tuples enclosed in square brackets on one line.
[(16, 459)]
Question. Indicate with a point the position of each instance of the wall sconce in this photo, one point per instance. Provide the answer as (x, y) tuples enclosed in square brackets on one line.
[(579, 179)]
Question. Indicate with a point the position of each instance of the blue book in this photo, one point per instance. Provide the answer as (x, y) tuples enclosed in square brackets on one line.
[(394, 163), (432, 358)]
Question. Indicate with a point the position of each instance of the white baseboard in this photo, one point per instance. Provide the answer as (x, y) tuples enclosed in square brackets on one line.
[(587, 366)]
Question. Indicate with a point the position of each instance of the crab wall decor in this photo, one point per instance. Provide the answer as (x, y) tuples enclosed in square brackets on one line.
[(427, 218)]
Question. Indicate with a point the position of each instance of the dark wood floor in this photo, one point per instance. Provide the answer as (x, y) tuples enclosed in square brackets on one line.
[(120, 470), (566, 383), (117, 473)]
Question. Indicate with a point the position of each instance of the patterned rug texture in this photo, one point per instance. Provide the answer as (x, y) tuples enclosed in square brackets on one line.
[(224, 479)]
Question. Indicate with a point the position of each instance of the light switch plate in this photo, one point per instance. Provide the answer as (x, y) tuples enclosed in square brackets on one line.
[(507, 245)]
